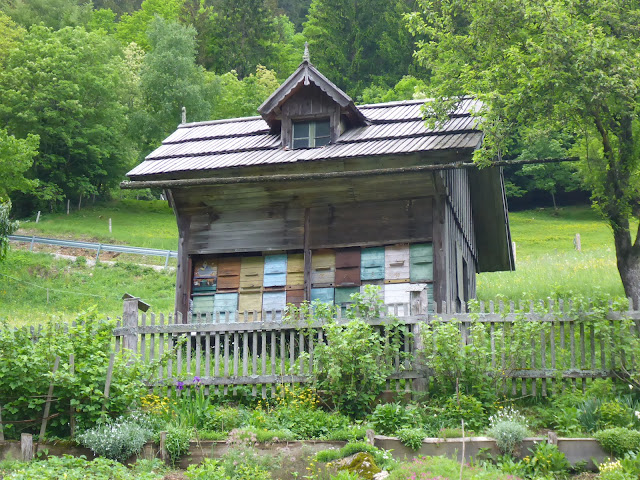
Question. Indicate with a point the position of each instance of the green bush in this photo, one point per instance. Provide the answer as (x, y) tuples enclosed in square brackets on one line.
[(613, 414), (224, 419), (619, 440), (209, 469), (178, 440), (467, 408), (546, 461), (116, 440), (411, 437), (388, 418), (508, 435), (304, 422)]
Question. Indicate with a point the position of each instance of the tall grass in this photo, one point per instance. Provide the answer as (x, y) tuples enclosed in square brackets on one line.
[(547, 263), (138, 223)]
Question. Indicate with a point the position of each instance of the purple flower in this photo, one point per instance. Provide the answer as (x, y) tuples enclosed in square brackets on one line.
[(179, 385), (196, 380)]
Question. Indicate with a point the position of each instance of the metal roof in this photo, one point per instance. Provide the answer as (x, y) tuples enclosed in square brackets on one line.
[(394, 128)]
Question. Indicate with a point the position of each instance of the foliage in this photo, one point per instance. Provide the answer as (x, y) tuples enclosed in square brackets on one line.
[(224, 419), (441, 468), (25, 374), (566, 66), (10, 36), (465, 407), (613, 414), (411, 437), (387, 418), (619, 440), (117, 440), (363, 465), (134, 27), (408, 88), (79, 468), (613, 470), (545, 461), (209, 469), (54, 14), (170, 80), (65, 87), (7, 227), (178, 440), (354, 363), (508, 435), (16, 156), (356, 42)]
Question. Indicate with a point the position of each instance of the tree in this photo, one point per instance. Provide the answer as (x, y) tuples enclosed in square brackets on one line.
[(16, 157), (64, 86), (242, 35), (169, 80), (571, 66), (10, 36), (52, 13), (7, 227), (359, 43), (134, 27)]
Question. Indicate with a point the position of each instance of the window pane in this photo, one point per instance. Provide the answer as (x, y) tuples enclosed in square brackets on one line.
[(322, 129), (300, 142), (301, 130), (322, 141)]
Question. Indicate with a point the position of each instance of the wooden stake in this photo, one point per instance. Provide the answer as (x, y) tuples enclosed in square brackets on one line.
[(109, 225), (576, 242), (26, 447), (38, 217), (72, 410), (163, 447), (47, 405), (68, 205)]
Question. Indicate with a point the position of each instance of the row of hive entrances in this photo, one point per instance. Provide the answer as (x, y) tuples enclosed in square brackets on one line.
[(268, 282)]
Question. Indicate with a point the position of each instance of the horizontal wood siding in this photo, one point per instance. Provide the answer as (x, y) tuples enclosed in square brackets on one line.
[(371, 223)]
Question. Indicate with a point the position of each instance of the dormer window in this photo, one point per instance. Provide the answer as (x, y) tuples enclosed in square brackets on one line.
[(311, 134)]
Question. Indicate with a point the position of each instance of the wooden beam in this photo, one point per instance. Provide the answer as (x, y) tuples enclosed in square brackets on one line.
[(189, 182), (307, 254)]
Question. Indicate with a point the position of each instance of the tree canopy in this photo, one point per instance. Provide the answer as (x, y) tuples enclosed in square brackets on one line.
[(563, 65)]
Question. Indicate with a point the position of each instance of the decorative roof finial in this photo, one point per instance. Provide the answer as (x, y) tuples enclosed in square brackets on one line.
[(306, 57), (184, 114)]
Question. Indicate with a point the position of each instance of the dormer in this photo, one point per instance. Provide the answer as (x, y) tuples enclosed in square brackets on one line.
[(308, 110)]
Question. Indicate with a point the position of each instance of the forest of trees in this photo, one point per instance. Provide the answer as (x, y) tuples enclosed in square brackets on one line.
[(88, 89)]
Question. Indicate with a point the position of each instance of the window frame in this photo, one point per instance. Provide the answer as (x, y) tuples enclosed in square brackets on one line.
[(311, 135)]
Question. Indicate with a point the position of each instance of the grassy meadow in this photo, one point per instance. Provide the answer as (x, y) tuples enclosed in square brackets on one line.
[(547, 264)]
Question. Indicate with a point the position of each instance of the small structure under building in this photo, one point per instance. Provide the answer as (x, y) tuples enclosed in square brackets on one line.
[(317, 197)]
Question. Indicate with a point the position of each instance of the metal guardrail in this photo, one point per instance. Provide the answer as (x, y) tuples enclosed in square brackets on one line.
[(99, 247)]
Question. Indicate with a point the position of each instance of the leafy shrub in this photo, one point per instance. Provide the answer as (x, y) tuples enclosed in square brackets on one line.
[(345, 475), (224, 419), (631, 463), (411, 437), (79, 468), (209, 469), (467, 408), (177, 443), (613, 470), (508, 435), (116, 440), (443, 468), (351, 433), (546, 461), (619, 440), (613, 414), (589, 414), (388, 418), (303, 422)]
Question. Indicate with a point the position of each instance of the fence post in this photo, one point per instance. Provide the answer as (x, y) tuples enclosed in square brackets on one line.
[(420, 384), (47, 405), (26, 447), (130, 321)]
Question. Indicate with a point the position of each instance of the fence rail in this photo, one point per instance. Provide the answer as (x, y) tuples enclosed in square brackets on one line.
[(99, 247), (568, 348)]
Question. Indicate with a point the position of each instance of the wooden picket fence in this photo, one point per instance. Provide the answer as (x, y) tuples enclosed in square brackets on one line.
[(257, 353)]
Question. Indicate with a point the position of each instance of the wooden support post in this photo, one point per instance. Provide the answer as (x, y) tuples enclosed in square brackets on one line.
[(68, 205), (576, 242), (109, 225), (26, 447), (47, 405), (98, 252), (33, 239), (130, 320), (307, 254), (420, 384), (513, 246), (107, 382), (72, 410), (164, 456), (38, 217)]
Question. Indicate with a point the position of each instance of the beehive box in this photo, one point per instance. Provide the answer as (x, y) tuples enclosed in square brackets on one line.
[(205, 276), (323, 268), (223, 303), (229, 273), (273, 305), (421, 258), (396, 260), (250, 301), (295, 295), (325, 295), (372, 264), (343, 295), (202, 304), (275, 270), (348, 267), (251, 272), (295, 270)]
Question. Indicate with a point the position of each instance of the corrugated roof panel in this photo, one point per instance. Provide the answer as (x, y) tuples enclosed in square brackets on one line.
[(207, 130)]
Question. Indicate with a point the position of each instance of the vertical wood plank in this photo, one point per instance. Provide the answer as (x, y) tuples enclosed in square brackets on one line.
[(272, 351), (307, 253), (543, 359), (552, 348), (161, 344), (562, 348), (143, 339), (236, 356), (583, 356), (572, 339), (254, 360), (245, 354), (264, 361), (216, 359), (207, 357), (292, 351), (227, 339)]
